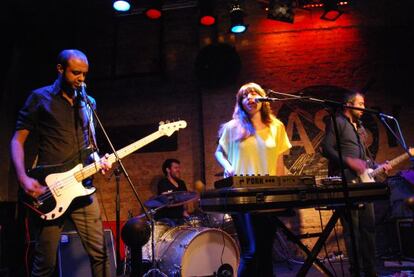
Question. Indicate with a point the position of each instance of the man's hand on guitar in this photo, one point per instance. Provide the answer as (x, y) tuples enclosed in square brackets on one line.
[(386, 166), (32, 187), (106, 165), (357, 165)]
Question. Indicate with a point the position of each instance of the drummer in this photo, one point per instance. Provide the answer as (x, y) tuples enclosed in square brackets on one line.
[(171, 183)]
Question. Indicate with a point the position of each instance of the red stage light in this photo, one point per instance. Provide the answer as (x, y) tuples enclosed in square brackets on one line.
[(207, 20), (153, 13)]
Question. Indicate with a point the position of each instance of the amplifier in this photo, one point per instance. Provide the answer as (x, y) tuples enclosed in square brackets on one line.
[(405, 231), (73, 260)]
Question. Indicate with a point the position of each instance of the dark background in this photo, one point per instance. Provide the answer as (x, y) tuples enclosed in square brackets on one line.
[(143, 72)]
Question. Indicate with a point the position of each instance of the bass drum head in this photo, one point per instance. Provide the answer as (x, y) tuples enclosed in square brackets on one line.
[(185, 251)]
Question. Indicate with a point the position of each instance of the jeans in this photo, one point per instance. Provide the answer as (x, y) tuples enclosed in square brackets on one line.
[(364, 230), (86, 216)]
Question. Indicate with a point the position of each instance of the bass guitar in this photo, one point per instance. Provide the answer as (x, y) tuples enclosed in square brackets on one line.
[(64, 182)]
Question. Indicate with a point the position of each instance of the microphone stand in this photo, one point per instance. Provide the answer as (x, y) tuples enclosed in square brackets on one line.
[(399, 137), (121, 166), (333, 107), (154, 270), (117, 173)]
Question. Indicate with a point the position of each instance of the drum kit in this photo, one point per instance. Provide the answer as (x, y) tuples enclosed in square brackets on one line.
[(205, 245)]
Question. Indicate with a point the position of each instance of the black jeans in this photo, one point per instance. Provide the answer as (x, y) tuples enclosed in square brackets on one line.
[(256, 233)]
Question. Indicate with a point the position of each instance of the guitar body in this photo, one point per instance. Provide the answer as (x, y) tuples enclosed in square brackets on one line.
[(62, 188), (366, 177)]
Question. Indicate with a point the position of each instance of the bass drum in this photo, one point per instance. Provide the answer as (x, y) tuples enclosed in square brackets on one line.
[(185, 251), (159, 229)]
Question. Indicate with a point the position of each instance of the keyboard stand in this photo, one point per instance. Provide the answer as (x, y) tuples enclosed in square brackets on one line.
[(311, 255)]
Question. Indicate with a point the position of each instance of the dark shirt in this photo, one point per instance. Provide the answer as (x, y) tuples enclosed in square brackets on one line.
[(351, 141), (164, 185), (58, 125)]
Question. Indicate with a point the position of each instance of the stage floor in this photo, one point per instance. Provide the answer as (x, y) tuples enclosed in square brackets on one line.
[(384, 268)]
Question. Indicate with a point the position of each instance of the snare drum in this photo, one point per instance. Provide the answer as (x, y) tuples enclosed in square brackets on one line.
[(219, 220), (223, 222), (159, 229), (185, 251), (194, 221)]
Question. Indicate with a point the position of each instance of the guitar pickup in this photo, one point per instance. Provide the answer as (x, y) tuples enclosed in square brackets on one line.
[(56, 191)]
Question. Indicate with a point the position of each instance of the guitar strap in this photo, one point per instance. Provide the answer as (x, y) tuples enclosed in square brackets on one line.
[(34, 164), (363, 136)]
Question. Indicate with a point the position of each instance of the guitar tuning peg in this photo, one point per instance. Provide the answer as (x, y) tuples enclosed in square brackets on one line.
[(167, 121), (161, 123)]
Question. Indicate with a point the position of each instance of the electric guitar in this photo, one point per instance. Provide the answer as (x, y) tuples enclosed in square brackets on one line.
[(370, 174), (64, 182)]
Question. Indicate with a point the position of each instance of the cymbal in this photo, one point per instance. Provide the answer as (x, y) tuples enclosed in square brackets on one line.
[(409, 202), (171, 199)]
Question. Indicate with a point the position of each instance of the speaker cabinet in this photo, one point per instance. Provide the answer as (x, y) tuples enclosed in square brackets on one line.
[(405, 229), (73, 260)]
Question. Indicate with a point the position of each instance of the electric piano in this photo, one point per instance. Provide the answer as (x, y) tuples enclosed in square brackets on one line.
[(246, 181), (266, 198)]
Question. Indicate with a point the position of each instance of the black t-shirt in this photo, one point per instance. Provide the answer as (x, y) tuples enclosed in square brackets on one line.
[(164, 185)]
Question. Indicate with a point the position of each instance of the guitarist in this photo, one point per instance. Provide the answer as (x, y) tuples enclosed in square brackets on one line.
[(356, 159), (59, 117)]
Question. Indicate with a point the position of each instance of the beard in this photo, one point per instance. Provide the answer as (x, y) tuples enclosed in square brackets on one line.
[(356, 115), (66, 87)]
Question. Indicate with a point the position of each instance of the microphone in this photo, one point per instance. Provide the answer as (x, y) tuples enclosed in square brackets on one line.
[(386, 116), (82, 92), (265, 99)]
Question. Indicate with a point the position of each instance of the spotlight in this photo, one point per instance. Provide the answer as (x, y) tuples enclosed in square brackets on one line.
[(236, 18), (207, 17), (281, 10), (121, 5), (154, 10)]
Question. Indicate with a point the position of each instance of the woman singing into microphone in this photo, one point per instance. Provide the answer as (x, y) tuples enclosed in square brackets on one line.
[(250, 144)]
